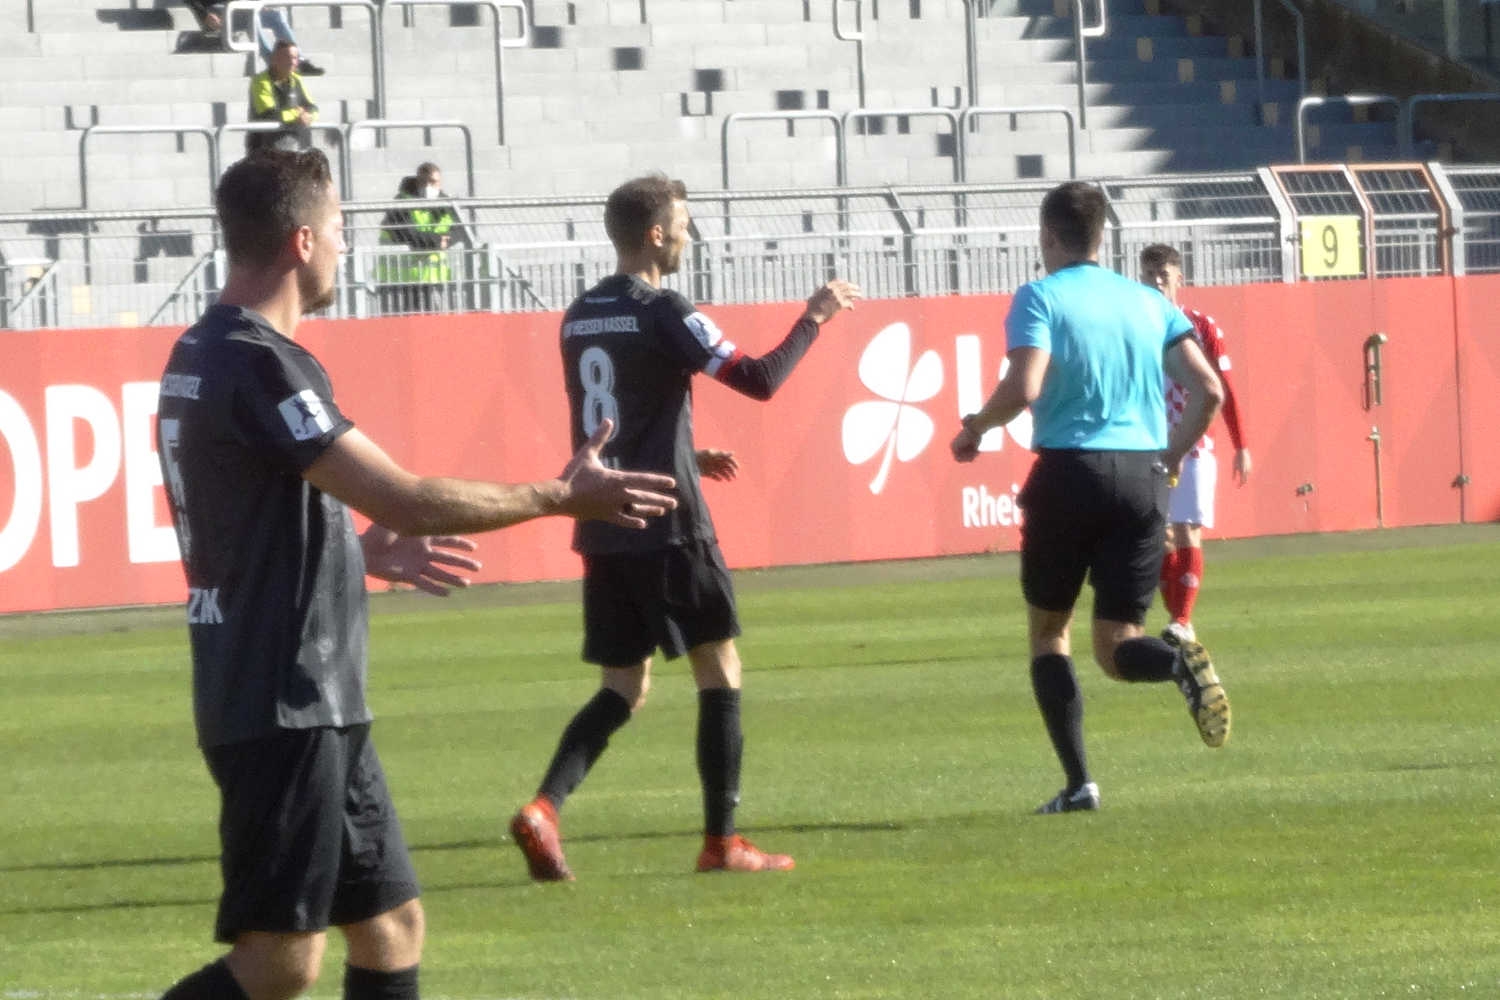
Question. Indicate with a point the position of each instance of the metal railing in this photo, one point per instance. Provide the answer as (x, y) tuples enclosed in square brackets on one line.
[(1406, 120), (1081, 33), (1353, 100), (961, 121), (179, 131), (865, 114), (971, 51), (1260, 51), (327, 128), (36, 306), (197, 290), (730, 120), (857, 36), (501, 43), (969, 115), (896, 241), (379, 125)]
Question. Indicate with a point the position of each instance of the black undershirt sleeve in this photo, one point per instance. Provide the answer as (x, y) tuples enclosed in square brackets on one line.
[(759, 378)]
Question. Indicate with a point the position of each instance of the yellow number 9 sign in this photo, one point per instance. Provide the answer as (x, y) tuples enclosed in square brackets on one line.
[(1330, 246)]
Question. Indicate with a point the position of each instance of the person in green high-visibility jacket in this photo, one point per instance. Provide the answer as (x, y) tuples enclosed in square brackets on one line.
[(412, 280), (279, 95)]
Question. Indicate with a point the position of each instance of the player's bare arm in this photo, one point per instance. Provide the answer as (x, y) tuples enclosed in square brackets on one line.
[(1019, 388), (421, 561), (1189, 367), (357, 471), (715, 463)]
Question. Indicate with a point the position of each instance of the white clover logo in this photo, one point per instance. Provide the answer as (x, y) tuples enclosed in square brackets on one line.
[(891, 421)]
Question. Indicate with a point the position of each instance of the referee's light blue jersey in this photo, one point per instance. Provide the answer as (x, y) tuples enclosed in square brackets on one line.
[(1107, 335)]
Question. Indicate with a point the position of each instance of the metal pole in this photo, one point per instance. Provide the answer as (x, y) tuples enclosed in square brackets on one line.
[(1083, 114), (971, 51), (1260, 64), (1374, 439)]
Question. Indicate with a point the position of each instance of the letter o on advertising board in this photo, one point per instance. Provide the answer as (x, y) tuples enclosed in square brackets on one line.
[(25, 513)]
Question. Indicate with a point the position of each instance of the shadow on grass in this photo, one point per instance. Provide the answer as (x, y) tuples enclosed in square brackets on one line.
[(916, 661), (488, 843)]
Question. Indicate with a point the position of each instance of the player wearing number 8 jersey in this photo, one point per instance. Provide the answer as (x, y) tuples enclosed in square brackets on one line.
[(630, 350)]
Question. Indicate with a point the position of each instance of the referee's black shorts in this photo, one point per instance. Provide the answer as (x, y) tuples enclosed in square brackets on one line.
[(1100, 514), (308, 834), (675, 598)]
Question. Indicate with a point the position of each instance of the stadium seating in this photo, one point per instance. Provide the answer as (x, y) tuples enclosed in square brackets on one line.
[(606, 88)]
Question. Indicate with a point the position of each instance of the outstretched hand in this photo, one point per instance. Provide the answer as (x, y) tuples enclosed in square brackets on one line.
[(595, 492), (417, 559), (717, 464), (1242, 466), (827, 301)]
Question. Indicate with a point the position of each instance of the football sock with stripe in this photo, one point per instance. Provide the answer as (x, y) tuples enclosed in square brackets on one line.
[(1057, 695), (1189, 579), (370, 984), (212, 982), (721, 746), (1145, 659), (582, 742)]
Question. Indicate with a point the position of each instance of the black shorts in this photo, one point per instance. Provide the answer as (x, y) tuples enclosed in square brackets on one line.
[(675, 598), (1095, 513), (308, 834)]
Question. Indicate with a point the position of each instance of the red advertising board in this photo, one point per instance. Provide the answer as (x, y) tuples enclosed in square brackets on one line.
[(849, 462)]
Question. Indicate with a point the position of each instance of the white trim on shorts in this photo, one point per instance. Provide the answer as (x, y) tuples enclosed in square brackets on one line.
[(1191, 501)]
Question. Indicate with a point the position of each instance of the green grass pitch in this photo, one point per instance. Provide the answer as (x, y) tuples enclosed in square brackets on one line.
[(1343, 845)]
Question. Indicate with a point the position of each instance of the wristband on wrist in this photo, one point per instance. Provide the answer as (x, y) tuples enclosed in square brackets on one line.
[(968, 425)]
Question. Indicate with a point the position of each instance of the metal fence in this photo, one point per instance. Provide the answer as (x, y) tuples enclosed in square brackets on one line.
[(103, 269)]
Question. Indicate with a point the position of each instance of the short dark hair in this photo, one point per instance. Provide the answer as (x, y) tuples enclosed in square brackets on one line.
[(637, 205), (427, 169), (1075, 212), (1159, 255), (264, 198), (283, 43)]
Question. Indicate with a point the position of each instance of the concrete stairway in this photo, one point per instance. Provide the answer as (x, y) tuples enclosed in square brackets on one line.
[(610, 88)]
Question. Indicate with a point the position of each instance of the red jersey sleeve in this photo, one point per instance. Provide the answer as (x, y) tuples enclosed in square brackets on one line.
[(1211, 337)]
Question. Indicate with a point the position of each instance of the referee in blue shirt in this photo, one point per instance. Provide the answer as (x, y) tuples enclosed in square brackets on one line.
[(1087, 350)]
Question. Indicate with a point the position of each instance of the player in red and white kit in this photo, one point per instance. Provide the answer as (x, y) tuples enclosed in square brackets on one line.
[(1190, 504)]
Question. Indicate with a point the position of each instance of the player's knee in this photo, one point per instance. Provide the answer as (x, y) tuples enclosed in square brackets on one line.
[(631, 684), (273, 972), (1104, 655), (403, 930), (293, 981), (634, 693), (409, 926), (392, 940)]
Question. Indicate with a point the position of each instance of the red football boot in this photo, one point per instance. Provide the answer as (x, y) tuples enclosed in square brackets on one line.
[(536, 834), (736, 854)]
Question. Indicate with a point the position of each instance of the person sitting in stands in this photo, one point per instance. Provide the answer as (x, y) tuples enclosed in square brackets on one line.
[(279, 95), (272, 27)]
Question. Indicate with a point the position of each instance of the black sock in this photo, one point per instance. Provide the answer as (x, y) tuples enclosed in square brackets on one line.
[(720, 748), (368, 984), (582, 742), (212, 982), (1057, 695), (1145, 658)]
